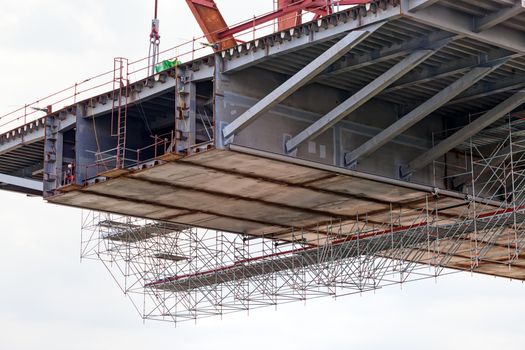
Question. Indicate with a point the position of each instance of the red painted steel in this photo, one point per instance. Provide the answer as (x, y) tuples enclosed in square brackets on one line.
[(286, 21), (319, 7), (212, 23), (288, 14)]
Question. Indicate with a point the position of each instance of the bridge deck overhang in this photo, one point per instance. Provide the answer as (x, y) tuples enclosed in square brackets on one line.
[(241, 186), (257, 193)]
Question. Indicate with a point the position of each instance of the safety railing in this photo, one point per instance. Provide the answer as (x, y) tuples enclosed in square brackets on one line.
[(107, 160), (188, 51)]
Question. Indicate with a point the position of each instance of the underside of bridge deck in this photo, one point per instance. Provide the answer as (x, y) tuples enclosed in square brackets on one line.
[(389, 131)]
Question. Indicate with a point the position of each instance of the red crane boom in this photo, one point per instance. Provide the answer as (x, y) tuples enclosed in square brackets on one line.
[(221, 36)]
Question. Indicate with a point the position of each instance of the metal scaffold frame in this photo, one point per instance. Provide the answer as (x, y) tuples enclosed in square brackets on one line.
[(178, 273)]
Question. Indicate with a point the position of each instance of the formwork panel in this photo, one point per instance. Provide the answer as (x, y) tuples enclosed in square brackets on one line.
[(258, 195), (265, 190)]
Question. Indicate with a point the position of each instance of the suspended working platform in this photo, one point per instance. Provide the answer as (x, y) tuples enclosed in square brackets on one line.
[(261, 194)]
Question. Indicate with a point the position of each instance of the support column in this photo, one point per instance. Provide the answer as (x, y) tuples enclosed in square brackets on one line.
[(186, 111), (218, 100), (52, 155), (86, 139), (420, 112)]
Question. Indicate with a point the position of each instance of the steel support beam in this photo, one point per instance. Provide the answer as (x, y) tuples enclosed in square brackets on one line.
[(505, 2), (298, 80), (34, 135), (468, 131), (461, 23), (308, 117), (455, 67), (511, 83), (274, 46), (419, 113), (515, 82), (21, 182), (496, 18), (359, 98), (417, 5), (434, 40)]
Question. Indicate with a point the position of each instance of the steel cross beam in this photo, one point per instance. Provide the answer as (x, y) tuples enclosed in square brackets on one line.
[(496, 18), (359, 98), (433, 40), (21, 182), (298, 80), (490, 88), (417, 5), (457, 138), (453, 21), (457, 66), (419, 113), (273, 46)]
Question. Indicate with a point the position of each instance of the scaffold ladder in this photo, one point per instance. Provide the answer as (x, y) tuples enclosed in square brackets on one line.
[(120, 108)]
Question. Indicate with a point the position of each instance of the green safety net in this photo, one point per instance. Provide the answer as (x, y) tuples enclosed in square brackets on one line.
[(167, 64)]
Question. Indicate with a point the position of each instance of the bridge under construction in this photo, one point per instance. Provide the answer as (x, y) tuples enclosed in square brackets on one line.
[(323, 149)]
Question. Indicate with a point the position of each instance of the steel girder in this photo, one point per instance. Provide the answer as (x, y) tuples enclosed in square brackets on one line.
[(298, 80), (461, 23), (359, 98), (420, 112), (463, 134)]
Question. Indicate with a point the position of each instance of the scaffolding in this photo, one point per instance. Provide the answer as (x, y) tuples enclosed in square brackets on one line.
[(178, 273)]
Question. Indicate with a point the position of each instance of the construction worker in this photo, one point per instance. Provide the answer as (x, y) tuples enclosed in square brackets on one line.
[(70, 175)]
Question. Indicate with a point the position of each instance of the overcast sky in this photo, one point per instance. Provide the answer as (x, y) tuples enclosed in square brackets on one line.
[(49, 300)]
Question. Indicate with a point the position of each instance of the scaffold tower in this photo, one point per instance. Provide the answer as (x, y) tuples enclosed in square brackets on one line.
[(179, 273)]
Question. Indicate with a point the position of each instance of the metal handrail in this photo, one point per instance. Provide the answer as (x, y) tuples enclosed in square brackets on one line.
[(184, 52)]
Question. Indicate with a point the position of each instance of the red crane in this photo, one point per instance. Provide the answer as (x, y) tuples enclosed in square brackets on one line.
[(288, 14)]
